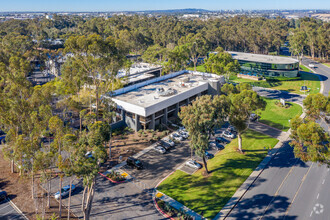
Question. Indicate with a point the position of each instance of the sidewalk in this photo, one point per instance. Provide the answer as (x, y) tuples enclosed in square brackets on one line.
[(283, 137)]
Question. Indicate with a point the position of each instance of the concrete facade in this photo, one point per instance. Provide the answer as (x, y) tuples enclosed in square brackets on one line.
[(156, 101)]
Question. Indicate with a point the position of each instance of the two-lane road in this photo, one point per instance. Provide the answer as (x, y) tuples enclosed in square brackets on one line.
[(288, 188)]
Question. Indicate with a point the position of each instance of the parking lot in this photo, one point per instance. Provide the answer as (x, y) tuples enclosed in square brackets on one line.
[(157, 165), (7, 212), (133, 199)]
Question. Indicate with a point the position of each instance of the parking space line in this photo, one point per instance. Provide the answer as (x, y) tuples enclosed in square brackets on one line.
[(9, 212), (5, 206)]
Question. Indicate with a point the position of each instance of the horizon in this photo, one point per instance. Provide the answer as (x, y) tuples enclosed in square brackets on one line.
[(154, 5)]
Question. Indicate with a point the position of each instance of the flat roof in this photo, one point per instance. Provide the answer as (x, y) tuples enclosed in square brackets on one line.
[(155, 96), (262, 58)]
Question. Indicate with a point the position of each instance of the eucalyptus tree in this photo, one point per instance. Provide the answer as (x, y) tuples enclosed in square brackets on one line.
[(310, 141), (242, 104), (196, 45), (200, 119), (97, 60)]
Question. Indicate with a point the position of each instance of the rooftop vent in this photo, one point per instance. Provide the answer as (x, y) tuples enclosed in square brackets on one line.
[(162, 92)]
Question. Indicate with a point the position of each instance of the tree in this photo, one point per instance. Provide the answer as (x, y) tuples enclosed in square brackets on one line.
[(197, 46), (241, 106), (317, 106), (310, 141), (221, 63), (88, 167), (200, 119), (97, 60)]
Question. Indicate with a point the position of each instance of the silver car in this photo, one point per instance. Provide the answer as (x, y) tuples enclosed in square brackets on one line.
[(193, 164), (176, 137), (160, 149), (228, 134)]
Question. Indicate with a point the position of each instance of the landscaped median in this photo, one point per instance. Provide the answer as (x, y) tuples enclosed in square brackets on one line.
[(206, 195), (278, 116), (115, 176)]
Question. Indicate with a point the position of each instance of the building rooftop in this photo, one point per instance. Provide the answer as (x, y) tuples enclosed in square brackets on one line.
[(165, 92), (262, 58)]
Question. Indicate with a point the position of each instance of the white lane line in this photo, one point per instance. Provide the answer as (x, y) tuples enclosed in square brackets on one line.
[(323, 181), (311, 214), (317, 197)]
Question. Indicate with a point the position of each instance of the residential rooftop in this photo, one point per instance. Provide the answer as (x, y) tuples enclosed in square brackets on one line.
[(262, 58)]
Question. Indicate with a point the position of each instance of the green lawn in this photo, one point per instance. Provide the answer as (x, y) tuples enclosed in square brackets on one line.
[(304, 68), (229, 169), (326, 64), (200, 68), (294, 85), (278, 117)]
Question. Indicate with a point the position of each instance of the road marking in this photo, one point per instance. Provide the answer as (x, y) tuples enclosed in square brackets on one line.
[(5, 206), (317, 197), (311, 214), (302, 181), (278, 189), (323, 181)]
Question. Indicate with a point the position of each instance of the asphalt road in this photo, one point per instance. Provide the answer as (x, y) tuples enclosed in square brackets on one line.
[(7, 212), (288, 188)]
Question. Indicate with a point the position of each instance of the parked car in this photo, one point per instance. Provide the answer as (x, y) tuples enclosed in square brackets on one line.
[(64, 191), (160, 149), (135, 163), (169, 142), (253, 117), (3, 195), (215, 145), (228, 134), (2, 139), (176, 137), (221, 140), (184, 134), (231, 129), (208, 155), (89, 154), (193, 164)]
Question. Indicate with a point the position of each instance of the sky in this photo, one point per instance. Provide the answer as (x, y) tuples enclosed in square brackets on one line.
[(138, 5)]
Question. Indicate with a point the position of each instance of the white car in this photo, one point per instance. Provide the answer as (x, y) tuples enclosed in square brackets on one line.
[(253, 117), (183, 134), (228, 134), (169, 142), (160, 149), (193, 164), (64, 191), (176, 137)]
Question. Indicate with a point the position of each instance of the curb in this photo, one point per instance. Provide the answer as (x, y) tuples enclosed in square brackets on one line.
[(240, 192), (319, 76), (17, 209), (230, 205), (161, 211)]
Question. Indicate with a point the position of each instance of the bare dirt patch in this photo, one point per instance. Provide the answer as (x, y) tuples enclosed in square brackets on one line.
[(127, 143), (19, 191)]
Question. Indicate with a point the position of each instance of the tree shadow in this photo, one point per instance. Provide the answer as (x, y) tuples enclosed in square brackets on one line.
[(261, 206)]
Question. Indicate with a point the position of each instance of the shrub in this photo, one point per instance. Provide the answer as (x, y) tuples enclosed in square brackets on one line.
[(115, 176)]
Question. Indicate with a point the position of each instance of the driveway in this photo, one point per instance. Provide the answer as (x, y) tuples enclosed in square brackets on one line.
[(157, 166)]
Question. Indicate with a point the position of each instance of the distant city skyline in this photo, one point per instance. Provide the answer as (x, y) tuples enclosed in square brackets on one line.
[(142, 5)]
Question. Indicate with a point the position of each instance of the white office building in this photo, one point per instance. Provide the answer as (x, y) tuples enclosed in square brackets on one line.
[(153, 102)]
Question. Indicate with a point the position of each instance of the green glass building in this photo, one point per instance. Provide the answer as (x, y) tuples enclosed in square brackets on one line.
[(266, 65)]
